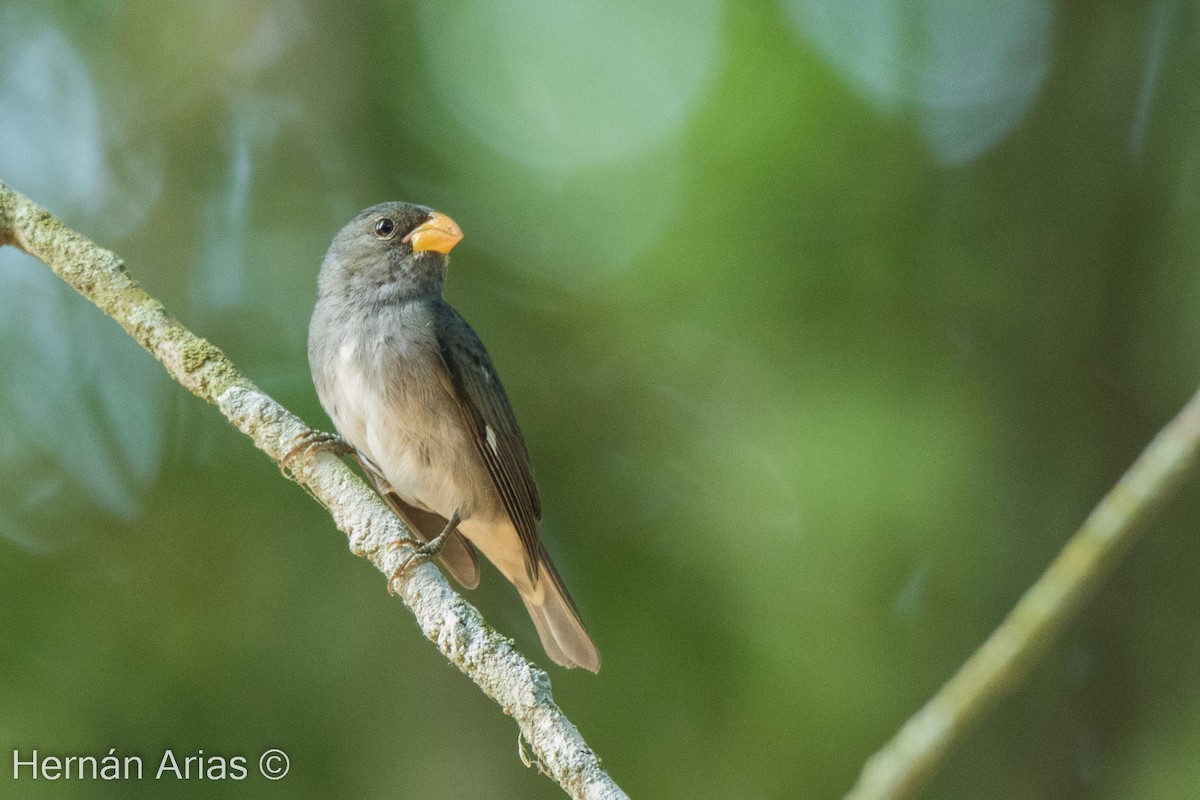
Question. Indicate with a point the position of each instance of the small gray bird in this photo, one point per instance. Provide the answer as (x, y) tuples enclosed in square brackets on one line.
[(411, 388)]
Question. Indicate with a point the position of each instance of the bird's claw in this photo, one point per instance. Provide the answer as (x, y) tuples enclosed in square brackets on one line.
[(420, 553), (312, 441)]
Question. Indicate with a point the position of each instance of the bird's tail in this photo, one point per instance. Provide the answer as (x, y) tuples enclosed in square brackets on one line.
[(556, 618)]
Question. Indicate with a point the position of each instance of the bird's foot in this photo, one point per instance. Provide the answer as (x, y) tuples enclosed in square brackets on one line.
[(313, 441), (421, 553)]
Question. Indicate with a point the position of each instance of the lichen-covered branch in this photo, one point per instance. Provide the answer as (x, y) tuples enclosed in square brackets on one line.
[(487, 658), (900, 768)]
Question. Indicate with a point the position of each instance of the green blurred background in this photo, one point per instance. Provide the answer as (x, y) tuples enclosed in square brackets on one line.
[(826, 323)]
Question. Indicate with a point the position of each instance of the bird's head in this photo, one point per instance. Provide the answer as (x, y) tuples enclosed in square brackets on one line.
[(390, 251)]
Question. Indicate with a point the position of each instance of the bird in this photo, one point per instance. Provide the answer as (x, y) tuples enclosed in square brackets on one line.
[(414, 395)]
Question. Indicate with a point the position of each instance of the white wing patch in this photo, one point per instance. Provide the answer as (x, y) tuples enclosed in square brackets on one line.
[(491, 438)]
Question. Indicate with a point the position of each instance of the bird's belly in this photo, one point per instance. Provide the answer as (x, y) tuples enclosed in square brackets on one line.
[(423, 449), (348, 399), (424, 469), (412, 431)]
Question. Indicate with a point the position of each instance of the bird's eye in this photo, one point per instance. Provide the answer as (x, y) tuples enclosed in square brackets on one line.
[(385, 228)]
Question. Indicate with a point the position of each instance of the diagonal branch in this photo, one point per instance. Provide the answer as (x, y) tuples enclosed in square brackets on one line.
[(899, 769), (456, 627)]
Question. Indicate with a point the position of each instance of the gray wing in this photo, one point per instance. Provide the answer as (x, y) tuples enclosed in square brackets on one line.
[(472, 383)]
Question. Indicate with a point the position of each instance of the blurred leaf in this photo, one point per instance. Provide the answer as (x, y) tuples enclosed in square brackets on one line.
[(967, 71), (559, 85)]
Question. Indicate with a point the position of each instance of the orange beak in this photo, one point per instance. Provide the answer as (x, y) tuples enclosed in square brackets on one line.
[(439, 233)]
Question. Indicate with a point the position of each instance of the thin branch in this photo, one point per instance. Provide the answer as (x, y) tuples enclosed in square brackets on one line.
[(487, 658), (899, 769)]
